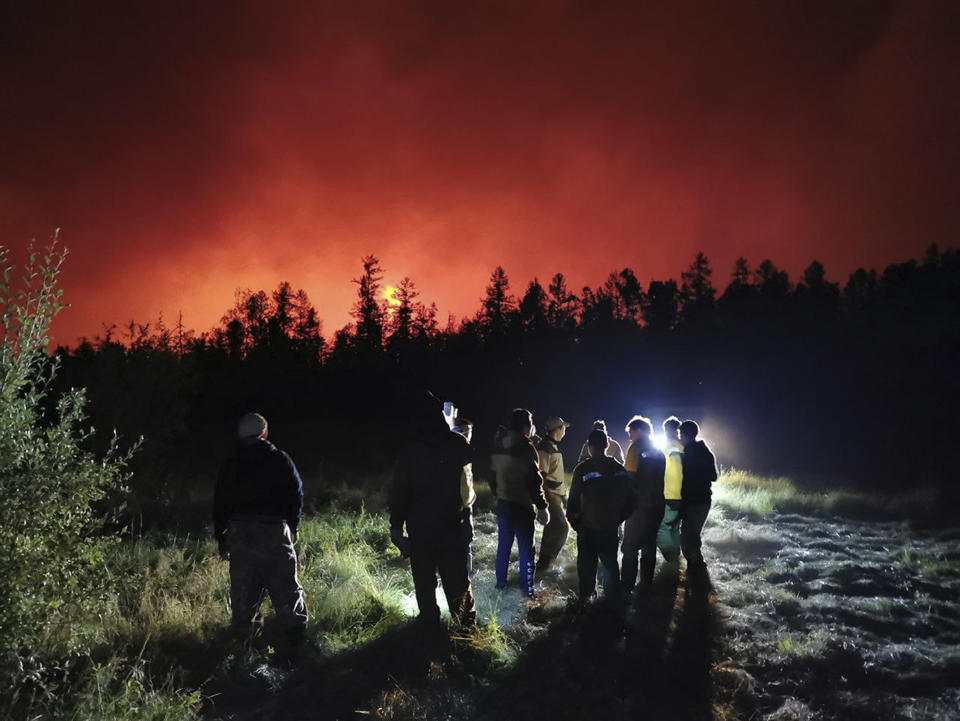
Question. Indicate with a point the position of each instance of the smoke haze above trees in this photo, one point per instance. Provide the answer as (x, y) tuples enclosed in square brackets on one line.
[(186, 149)]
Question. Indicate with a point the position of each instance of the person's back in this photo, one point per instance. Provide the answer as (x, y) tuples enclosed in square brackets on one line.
[(427, 498), (427, 488), (600, 499), (258, 502), (518, 486), (601, 494), (259, 480), (516, 469), (699, 472)]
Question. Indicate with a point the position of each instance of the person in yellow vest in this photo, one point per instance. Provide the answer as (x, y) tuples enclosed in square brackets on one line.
[(668, 535), (551, 466)]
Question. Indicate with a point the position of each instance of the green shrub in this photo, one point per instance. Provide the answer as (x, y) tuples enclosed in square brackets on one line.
[(52, 550)]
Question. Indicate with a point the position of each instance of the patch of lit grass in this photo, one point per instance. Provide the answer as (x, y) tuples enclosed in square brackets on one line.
[(811, 645), (747, 493)]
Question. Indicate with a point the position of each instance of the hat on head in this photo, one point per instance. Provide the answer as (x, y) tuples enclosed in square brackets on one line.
[(552, 423), (251, 426)]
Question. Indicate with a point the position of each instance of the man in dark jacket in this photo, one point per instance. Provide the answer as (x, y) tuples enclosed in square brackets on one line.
[(647, 464), (257, 505), (426, 498), (601, 498), (518, 485), (699, 473)]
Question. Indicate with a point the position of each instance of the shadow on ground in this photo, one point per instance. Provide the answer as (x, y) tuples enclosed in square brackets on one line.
[(652, 659)]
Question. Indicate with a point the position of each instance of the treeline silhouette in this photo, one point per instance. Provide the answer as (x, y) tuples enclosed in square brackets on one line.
[(854, 383)]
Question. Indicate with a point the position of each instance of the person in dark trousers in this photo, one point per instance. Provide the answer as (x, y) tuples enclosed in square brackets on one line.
[(257, 506), (464, 426), (613, 450), (425, 497), (518, 486), (699, 473), (551, 466), (646, 463), (601, 498)]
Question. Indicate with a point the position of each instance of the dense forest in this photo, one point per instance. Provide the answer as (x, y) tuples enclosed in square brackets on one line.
[(852, 383)]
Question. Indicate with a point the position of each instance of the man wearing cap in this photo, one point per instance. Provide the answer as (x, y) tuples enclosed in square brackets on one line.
[(614, 450), (551, 466), (257, 506)]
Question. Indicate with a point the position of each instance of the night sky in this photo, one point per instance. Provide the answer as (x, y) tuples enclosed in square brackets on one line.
[(190, 148)]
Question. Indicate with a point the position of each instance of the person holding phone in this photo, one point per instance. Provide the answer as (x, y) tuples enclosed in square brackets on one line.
[(426, 501)]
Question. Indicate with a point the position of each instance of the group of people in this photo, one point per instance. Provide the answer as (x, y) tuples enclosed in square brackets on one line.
[(635, 503), (628, 504)]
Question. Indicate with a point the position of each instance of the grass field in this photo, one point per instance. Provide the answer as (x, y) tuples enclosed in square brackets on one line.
[(799, 585)]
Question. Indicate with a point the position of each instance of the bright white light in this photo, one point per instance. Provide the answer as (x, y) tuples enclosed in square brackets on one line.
[(659, 441)]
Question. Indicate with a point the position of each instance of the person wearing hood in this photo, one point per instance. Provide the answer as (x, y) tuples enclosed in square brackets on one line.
[(699, 473), (426, 498), (646, 463), (518, 487), (614, 450), (257, 506), (551, 466)]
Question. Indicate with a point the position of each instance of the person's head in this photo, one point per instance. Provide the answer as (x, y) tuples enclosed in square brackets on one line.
[(597, 443), (555, 427), (689, 430), (521, 421), (599, 425), (251, 427), (639, 428), (463, 426), (671, 428)]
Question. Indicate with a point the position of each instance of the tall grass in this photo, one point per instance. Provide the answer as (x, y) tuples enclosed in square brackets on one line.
[(160, 628), (744, 492)]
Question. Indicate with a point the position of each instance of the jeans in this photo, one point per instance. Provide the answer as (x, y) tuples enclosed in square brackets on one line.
[(594, 546), (515, 522)]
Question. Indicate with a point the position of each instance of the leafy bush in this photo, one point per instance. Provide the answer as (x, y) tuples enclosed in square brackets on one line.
[(51, 554)]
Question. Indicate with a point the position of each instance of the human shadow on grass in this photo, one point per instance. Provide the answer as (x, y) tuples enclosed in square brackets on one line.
[(651, 659), (411, 671), (615, 663)]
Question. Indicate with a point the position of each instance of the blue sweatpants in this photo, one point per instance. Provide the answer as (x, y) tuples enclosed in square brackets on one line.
[(515, 522)]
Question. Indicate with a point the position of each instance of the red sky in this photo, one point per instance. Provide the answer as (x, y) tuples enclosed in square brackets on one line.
[(187, 149)]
